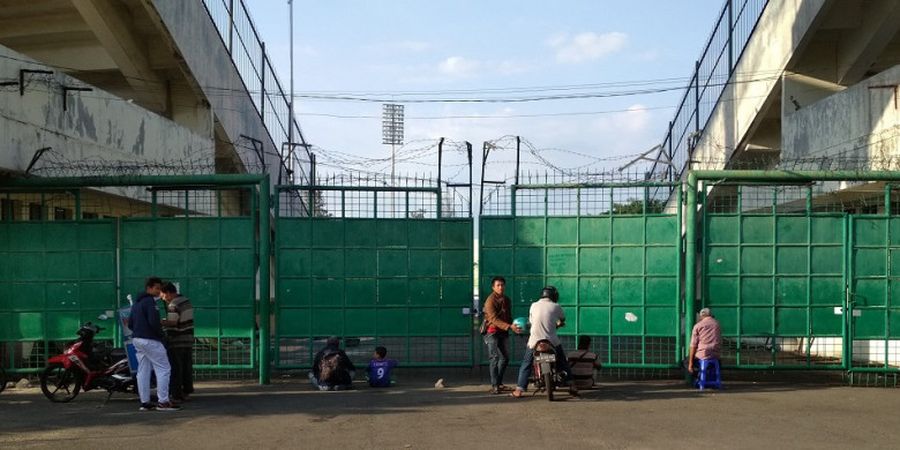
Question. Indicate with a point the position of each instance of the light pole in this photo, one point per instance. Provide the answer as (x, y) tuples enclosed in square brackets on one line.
[(291, 102), (392, 130)]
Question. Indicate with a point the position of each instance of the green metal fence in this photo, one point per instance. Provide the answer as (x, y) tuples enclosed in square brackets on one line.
[(798, 267), (773, 272), (76, 247), (874, 296), (54, 276), (211, 253), (376, 266), (613, 251)]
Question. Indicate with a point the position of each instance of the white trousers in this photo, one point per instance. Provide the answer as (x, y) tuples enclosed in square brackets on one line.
[(151, 355)]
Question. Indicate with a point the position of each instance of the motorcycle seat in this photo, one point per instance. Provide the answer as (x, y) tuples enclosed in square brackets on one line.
[(117, 354), (544, 346)]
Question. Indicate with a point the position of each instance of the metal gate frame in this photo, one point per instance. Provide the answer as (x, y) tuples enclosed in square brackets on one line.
[(258, 183), (618, 350), (431, 259), (694, 183), (386, 255)]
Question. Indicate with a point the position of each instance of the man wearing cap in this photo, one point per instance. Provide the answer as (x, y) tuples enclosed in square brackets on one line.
[(545, 317), (706, 339)]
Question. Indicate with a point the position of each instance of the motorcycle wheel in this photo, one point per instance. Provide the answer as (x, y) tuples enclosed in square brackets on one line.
[(60, 385), (549, 384)]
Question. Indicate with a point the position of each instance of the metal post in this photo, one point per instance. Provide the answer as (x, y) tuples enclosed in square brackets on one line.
[(679, 349), (847, 325), (230, 27), (264, 297), (518, 156), (696, 105), (77, 194), (440, 202), (887, 264), (484, 155), (262, 84), (730, 6), (469, 153), (290, 120), (670, 169), (690, 261), (312, 184)]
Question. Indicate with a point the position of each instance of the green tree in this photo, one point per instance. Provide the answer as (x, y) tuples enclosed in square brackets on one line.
[(637, 207), (320, 208)]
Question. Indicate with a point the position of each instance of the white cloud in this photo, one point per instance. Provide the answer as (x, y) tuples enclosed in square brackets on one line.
[(459, 67), (587, 46), (635, 120)]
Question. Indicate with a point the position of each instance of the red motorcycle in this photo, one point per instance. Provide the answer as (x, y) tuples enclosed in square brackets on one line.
[(84, 366)]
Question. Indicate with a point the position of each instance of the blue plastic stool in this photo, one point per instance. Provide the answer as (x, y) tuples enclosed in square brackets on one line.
[(707, 365)]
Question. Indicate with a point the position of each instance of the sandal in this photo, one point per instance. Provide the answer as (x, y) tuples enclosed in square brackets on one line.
[(518, 393)]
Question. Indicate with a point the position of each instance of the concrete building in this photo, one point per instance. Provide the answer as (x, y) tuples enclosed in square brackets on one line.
[(151, 82), (774, 90), (796, 84)]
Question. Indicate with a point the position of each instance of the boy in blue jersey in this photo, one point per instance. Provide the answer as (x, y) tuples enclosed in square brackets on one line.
[(379, 369)]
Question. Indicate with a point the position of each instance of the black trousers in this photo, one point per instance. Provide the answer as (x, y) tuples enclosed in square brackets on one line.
[(181, 382)]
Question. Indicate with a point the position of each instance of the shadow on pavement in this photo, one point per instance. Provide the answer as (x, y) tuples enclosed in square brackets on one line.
[(26, 411)]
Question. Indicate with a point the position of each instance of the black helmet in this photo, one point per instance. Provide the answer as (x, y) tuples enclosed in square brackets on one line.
[(88, 331), (551, 293)]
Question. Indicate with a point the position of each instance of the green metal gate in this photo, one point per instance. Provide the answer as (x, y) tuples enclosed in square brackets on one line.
[(773, 274), (799, 267), (613, 251), (377, 266), (209, 249), (74, 248), (55, 274), (874, 295)]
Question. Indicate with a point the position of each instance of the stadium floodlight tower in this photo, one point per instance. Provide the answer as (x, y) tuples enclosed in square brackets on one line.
[(392, 130)]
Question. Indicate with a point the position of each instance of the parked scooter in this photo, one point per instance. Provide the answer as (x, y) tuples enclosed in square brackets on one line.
[(546, 377), (84, 366)]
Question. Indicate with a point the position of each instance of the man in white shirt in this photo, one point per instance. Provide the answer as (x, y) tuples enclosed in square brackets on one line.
[(545, 317)]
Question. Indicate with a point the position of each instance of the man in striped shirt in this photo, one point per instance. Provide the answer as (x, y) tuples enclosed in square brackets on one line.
[(179, 328)]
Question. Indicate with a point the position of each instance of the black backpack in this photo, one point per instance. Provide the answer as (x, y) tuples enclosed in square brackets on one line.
[(330, 365)]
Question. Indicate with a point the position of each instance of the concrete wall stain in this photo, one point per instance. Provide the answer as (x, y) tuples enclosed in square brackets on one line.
[(138, 147)]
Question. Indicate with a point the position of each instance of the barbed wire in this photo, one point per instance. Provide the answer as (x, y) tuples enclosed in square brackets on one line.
[(56, 164)]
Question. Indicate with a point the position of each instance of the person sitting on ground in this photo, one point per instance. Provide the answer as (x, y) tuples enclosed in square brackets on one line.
[(379, 370), (332, 369), (706, 339), (583, 362)]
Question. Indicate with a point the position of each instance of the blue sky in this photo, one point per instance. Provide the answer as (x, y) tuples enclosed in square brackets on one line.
[(380, 48)]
